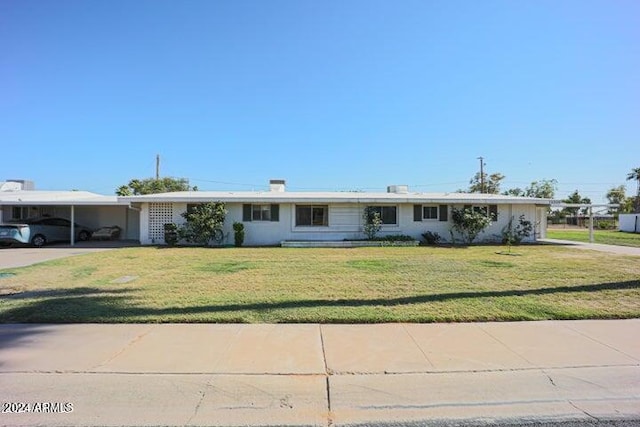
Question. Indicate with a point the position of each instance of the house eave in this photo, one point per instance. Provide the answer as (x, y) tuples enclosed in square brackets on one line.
[(326, 198)]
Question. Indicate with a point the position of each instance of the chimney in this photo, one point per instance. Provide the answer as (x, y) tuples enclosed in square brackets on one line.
[(398, 189), (277, 185)]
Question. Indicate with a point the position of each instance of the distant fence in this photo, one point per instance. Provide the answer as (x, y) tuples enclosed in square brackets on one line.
[(603, 222), (630, 223)]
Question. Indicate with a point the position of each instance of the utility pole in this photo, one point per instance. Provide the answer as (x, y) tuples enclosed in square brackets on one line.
[(157, 166), (481, 174)]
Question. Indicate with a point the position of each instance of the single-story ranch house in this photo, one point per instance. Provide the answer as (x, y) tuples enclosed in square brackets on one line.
[(271, 217)]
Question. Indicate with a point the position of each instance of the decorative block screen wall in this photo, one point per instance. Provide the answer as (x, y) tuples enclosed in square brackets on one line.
[(159, 215)]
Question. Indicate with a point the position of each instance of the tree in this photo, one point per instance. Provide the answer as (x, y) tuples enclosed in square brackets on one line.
[(491, 183), (517, 192), (576, 198), (635, 175), (153, 186), (543, 189), (617, 195), (469, 223)]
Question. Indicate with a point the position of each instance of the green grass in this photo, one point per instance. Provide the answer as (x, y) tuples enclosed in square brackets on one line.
[(418, 284), (607, 237)]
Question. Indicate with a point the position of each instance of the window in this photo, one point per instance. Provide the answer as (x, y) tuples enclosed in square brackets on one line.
[(481, 209), (388, 214), (429, 212), (260, 213), (488, 210), (20, 212), (312, 215), (24, 212)]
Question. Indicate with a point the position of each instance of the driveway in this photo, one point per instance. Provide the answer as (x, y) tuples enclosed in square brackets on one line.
[(614, 249), (22, 257)]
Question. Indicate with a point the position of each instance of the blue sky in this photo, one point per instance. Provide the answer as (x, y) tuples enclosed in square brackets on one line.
[(329, 95)]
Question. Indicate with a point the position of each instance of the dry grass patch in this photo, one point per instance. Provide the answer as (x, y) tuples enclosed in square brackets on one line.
[(419, 284)]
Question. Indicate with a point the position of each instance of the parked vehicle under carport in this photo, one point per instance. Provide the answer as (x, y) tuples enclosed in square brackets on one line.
[(40, 231)]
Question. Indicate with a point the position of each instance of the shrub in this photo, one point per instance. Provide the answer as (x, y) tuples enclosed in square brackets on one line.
[(372, 222), (171, 234), (238, 233), (606, 225), (431, 238), (514, 235), (394, 238), (202, 222), (469, 223)]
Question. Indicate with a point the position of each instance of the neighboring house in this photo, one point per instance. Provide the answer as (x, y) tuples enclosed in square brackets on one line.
[(271, 217), (630, 223)]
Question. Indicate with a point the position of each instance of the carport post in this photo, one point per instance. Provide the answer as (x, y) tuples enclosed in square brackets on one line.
[(73, 226), (590, 224)]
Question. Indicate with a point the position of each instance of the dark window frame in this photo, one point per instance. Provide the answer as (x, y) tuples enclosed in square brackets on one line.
[(381, 208), (261, 212), (273, 214), (432, 208), (312, 218)]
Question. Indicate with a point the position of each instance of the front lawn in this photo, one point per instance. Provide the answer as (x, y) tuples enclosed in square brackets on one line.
[(419, 284), (607, 237)]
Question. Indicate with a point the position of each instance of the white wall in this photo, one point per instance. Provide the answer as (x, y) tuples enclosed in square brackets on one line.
[(493, 233), (630, 223), (95, 217), (345, 222)]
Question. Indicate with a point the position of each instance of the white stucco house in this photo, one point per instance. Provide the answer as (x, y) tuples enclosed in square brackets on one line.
[(271, 217)]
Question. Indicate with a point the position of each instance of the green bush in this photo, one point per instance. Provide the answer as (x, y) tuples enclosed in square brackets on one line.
[(606, 225), (514, 235), (171, 234), (468, 223), (202, 222), (431, 238), (372, 222), (238, 233), (394, 238)]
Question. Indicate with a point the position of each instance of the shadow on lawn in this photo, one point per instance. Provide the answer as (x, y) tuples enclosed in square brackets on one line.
[(83, 305)]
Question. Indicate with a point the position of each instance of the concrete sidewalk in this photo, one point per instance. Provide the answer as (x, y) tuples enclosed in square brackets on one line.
[(614, 249), (144, 374)]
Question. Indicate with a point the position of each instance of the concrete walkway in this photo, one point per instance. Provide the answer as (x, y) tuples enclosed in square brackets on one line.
[(614, 249), (25, 256), (172, 374)]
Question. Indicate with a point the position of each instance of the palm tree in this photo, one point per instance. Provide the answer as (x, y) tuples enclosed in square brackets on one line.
[(634, 175)]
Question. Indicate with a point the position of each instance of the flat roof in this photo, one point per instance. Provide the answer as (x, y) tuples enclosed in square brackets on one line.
[(331, 197), (59, 198)]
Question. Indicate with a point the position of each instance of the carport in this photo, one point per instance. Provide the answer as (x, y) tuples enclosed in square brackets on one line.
[(589, 207), (90, 209)]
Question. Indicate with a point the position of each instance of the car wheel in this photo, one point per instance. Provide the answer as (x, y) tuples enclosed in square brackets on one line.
[(83, 236), (38, 240)]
